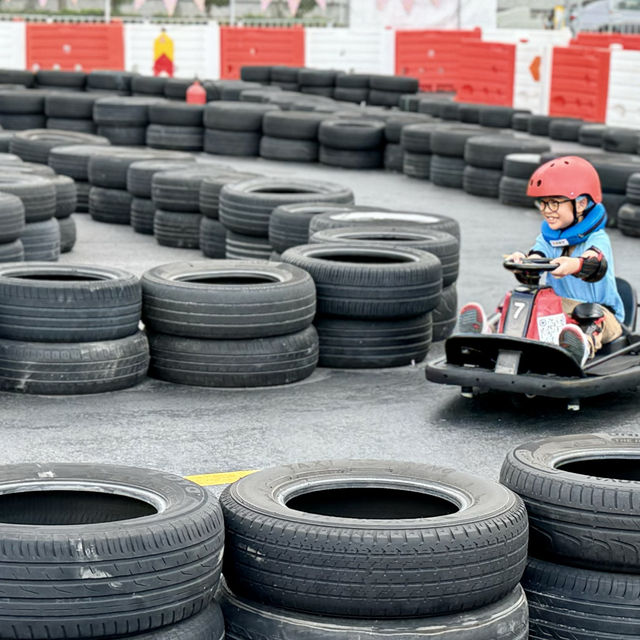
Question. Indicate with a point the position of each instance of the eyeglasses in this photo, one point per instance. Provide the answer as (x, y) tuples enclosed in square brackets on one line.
[(553, 205)]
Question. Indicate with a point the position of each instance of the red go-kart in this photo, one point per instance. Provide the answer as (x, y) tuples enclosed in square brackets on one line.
[(520, 355)]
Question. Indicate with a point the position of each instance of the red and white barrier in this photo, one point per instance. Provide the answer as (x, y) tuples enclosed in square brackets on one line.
[(623, 104), (13, 45)]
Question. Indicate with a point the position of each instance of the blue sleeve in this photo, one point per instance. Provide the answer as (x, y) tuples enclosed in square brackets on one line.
[(542, 246)]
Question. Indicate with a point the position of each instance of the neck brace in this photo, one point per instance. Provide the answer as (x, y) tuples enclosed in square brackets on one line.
[(594, 220)]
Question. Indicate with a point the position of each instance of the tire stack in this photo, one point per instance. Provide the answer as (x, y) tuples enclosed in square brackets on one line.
[(70, 329), (565, 129), (517, 170), (448, 165), (213, 235), (539, 125), (131, 517), (22, 109), (116, 83), (345, 549), (386, 91), (35, 145), (66, 203), (109, 200), (318, 82), (485, 156), (70, 112), (12, 222), (123, 120), (246, 208), (352, 87), (629, 213), (176, 197), (290, 135), (621, 140), (415, 140), (41, 234), (582, 580), (148, 86), (285, 77), (497, 117), (354, 143), (256, 73), (234, 128), (590, 135), (230, 324), (393, 152), (52, 80), (139, 176), (175, 126), (17, 77)]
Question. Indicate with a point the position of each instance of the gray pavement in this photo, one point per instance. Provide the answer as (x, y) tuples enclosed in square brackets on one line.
[(387, 413)]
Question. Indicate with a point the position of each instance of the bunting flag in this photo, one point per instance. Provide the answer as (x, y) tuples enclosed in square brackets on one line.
[(170, 6), (293, 6), (322, 4), (381, 4), (74, 3), (200, 4), (264, 5), (408, 5), (42, 3), (137, 4)]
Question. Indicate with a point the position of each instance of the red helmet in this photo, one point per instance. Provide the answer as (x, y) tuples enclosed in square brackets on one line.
[(568, 176)]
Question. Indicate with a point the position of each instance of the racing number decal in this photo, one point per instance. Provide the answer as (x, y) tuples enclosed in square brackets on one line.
[(519, 307), (518, 314)]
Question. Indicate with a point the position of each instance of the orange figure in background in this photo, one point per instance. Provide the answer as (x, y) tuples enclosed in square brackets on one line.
[(163, 55)]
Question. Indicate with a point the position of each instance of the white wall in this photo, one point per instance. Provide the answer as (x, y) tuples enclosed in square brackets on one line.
[(13, 45), (196, 49), (371, 51), (623, 102)]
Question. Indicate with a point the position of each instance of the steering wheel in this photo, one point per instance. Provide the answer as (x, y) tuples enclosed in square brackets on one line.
[(531, 265)]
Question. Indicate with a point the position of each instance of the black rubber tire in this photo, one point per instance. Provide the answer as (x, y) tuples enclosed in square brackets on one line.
[(447, 171), (416, 165), (140, 174), (235, 116), (83, 189), (20, 122), (378, 557), (370, 282), (142, 213), (565, 128), (206, 625), (64, 303), (12, 219), (289, 223), (148, 85), (521, 165), (417, 137), (452, 139), (22, 102), (210, 188), (620, 140), (469, 113), (16, 76), (68, 234), (612, 203), (38, 195), (41, 240), (347, 94), (450, 111), (385, 218), (176, 88), (479, 181), (11, 159), (177, 114), (231, 90), (179, 190), (110, 205), (72, 124), (5, 140), (110, 80), (162, 136), (282, 73), (253, 362), (73, 160), (227, 300), (157, 535), (123, 111), (177, 229), (261, 95), (66, 196), (385, 98), (353, 80), (12, 251), (633, 188), (591, 135), (580, 493), (520, 121), (245, 207), (539, 125), (580, 604), (393, 83), (496, 116), (255, 73), (29, 168), (134, 136), (346, 343), (35, 145), (242, 247), (490, 151), (438, 243), (62, 79), (317, 77), (231, 143), (351, 158), (506, 619), (445, 315), (395, 124), (513, 192), (288, 150), (354, 134), (213, 238), (296, 125), (393, 157)]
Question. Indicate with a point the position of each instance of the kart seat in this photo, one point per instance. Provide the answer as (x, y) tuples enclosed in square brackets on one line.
[(630, 302)]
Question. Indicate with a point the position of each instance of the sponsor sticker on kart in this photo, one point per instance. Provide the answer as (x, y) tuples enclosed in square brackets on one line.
[(549, 327)]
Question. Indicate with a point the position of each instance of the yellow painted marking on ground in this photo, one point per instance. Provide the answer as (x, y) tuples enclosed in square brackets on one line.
[(210, 479)]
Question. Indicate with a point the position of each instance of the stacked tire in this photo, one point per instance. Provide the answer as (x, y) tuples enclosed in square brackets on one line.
[(12, 223), (354, 143), (35, 145), (22, 109), (352, 87), (70, 329), (346, 549), (123, 120), (629, 213), (386, 91), (70, 112), (415, 140), (449, 166), (76, 520), (580, 492), (246, 207), (290, 135), (319, 82), (393, 152), (66, 203), (517, 169), (230, 324), (176, 126)]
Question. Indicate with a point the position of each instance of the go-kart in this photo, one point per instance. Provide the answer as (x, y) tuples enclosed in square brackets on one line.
[(520, 356)]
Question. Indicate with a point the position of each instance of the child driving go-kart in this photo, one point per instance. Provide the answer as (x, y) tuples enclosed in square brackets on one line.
[(573, 238)]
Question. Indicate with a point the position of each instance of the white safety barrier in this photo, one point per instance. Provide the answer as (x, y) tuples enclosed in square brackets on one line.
[(13, 47), (350, 50), (196, 49), (623, 103)]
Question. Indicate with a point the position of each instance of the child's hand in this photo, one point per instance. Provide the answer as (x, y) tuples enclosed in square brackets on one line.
[(516, 256), (566, 266)]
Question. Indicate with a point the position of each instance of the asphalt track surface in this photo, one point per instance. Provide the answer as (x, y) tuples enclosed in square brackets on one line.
[(382, 414)]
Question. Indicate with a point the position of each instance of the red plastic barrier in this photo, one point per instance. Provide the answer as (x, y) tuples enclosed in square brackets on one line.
[(487, 73), (431, 56), (603, 40), (579, 83), (262, 46), (75, 46)]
